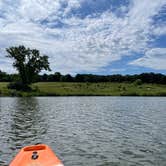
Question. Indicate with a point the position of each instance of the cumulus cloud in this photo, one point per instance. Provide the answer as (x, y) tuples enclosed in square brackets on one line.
[(158, 31), (73, 43), (154, 58)]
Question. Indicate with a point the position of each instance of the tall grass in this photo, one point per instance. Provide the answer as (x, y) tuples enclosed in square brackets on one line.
[(87, 89)]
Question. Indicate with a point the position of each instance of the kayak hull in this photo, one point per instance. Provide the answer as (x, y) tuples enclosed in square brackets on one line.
[(36, 155)]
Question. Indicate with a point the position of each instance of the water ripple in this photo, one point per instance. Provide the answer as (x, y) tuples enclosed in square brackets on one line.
[(94, 131)]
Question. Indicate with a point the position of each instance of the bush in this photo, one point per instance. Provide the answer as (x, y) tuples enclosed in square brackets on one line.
[(129, 94), (138, 82), (19, 86), (35, 89)]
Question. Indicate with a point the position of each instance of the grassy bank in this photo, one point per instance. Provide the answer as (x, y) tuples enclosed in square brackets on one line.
[(87, 89)]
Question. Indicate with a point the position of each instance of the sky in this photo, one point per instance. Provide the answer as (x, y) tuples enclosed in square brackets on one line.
[(88, 36)]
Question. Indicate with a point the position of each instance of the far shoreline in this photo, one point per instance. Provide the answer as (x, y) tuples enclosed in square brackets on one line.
[(69, 89)]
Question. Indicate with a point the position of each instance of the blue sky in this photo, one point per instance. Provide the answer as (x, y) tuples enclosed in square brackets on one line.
[(88, 36)]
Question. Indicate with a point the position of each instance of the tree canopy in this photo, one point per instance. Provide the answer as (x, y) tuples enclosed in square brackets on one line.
[(28, 62), (154, 78)]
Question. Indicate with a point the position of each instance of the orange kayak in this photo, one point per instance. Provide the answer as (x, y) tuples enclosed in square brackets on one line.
[(36, 155)]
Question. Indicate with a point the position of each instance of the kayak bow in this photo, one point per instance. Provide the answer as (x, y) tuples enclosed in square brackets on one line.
[(36, 155)]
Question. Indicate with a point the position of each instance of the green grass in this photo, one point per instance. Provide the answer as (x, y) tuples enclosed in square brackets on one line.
[(87, 89)]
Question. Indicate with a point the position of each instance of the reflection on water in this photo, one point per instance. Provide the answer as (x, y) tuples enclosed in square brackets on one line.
[(21, 124), (94, 131), (26, 120)]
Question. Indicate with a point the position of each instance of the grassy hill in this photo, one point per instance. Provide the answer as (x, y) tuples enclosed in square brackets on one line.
[(87, 89)]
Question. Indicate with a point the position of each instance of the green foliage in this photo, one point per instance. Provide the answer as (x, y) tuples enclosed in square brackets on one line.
[(98, 89), (144, 77), (154, 78), (57, 76), (138, 82), (86, 89), (66, 78), (28, 62), (19, 86)]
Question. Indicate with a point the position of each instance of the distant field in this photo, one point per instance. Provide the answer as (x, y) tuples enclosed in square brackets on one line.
[(87, 89)]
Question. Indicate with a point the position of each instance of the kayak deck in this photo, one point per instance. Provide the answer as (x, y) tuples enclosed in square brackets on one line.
[(36, 155)]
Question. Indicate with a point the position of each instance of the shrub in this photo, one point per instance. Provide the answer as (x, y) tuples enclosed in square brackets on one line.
[(138, 82), (19, 86), (36, 89)]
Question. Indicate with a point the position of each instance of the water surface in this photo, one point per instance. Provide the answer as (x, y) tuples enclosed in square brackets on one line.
[(87, 131)]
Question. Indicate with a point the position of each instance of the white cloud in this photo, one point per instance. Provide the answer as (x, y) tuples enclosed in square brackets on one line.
[(87, 44), (161, 30), (154, 58)]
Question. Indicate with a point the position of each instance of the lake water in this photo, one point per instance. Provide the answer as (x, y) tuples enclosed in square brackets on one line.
[(87, 131)]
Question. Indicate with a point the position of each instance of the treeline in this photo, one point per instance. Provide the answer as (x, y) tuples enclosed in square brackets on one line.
[(58, 77)]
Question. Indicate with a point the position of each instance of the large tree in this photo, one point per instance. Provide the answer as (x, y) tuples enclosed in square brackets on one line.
[(28, 62)]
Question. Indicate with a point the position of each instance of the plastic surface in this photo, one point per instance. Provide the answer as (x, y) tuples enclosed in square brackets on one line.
[(36, 155)]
